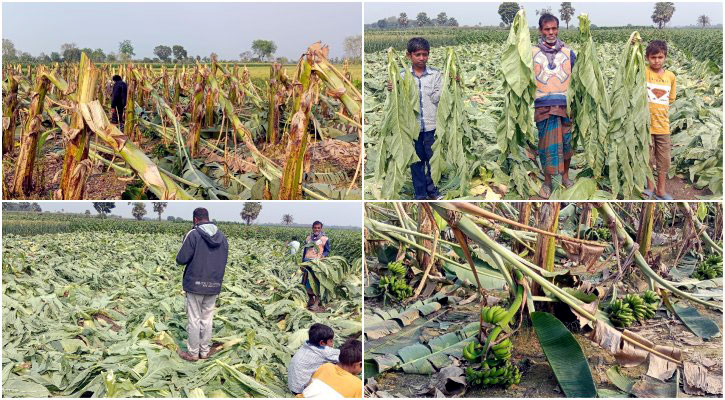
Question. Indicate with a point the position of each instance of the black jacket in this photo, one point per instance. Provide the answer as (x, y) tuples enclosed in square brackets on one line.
[(118, 96), (204, 252)]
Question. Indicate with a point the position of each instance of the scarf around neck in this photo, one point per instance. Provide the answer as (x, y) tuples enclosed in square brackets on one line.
[(550, 52), (315, 238)]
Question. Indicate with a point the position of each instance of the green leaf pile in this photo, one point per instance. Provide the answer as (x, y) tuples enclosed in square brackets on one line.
[(516, 125), (451, 124), (628, 136), (587, 101), (100, 314), (400, 127)]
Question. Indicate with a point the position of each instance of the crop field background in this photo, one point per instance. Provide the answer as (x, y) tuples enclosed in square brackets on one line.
[(94, 307), (695, 57), (205, 131)]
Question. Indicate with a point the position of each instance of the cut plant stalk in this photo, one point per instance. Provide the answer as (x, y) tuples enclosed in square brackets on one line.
[(25, 163), (76, 166), (646, 224), (10, 114)]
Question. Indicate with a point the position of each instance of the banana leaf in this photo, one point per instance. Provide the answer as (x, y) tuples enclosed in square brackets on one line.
[(565, 356), (696, 322)]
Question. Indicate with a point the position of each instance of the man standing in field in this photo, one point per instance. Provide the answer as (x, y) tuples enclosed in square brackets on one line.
[(118, 101), (204, 252), (553, 63), (317, 245)]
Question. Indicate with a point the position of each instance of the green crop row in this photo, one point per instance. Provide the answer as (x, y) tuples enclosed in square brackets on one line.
[(702, 44), (344, 242)]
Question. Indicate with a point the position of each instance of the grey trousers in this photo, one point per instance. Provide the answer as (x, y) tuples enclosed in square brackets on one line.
[(199, 311)]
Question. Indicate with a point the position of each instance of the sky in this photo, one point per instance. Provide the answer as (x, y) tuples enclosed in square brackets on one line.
[(338, 213), (225, 28), (600, 13)]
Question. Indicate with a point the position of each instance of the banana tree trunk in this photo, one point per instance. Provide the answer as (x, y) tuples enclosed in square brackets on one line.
[(646, 225), (197, 112), (273, 112), (76, 165), (291, 187), (10, 115), (129, 128), (23, 179), (524, 217), (546, 245)]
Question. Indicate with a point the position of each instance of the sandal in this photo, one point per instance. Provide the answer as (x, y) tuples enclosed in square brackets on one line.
[(567, 182), (647, 194), (665, 196)]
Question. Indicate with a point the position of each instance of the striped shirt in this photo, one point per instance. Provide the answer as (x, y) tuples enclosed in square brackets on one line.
[(332, 382), (429, 87), (305, 362)]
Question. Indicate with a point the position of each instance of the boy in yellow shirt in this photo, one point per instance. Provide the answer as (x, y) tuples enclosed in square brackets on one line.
[(661, 92), (335, 381)]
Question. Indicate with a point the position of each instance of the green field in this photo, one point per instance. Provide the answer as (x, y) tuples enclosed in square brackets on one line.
[(700, 43)]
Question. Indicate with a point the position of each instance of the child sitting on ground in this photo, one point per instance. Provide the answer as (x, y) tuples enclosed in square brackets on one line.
[(308, 358), (335, 381)]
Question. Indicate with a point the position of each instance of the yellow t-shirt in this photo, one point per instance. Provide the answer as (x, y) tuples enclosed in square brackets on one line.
[(330, 382), (661, 92)]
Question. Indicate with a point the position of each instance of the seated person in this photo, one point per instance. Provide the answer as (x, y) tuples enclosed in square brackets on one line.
[(308, 358), (339, 380)]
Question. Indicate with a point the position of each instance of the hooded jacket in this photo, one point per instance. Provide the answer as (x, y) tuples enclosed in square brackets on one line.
[(204, 252), (118, 96)]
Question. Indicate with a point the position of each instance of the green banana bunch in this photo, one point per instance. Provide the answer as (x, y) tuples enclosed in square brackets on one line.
[(652, 299), (620, 313), (473, 351), (505, 375), (709, 268), (493, 315), (638, 307), (396, 286), (502, 351), (398, 269)]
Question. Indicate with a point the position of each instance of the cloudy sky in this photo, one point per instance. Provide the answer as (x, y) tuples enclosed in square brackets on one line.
[(340, 213), (202, 28), (600, 13)]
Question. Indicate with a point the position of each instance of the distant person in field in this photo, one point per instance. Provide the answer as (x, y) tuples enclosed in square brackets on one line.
[(553, 63), (661, 92), (118, 101), (317, 245), (316, 351), (332, 381), (204, 252), (294, 246)]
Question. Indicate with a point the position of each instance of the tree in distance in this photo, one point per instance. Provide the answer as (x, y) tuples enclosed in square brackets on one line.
[(251, 210), (125, 50), (507, 10), (703, 20), (103, 207), (287, 219), (179, 52), (662, 13), (159, 207), (163, 53), (353, 47), (139, 210), (403, 20), (422, 19), (263, 48), (566, 12)]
